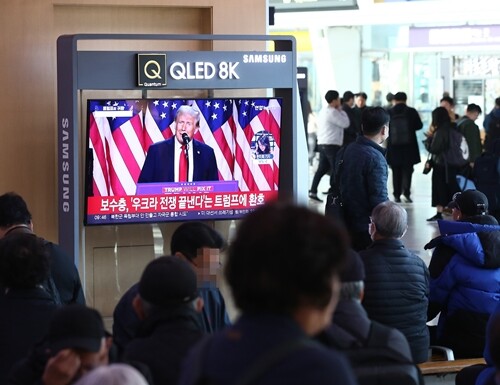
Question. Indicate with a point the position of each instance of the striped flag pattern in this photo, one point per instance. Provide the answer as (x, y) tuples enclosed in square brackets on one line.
[(119, 144)]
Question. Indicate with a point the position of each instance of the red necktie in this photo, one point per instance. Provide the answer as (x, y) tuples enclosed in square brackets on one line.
[(183, 165)]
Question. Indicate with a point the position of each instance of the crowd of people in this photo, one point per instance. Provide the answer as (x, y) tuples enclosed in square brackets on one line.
[(319, 298)]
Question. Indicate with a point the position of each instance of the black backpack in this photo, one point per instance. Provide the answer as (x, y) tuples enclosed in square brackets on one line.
[(400, 129), (457, 153), (375, 363)]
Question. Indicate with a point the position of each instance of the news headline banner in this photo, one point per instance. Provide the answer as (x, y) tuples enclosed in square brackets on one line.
[(200, 69), (151, 208)]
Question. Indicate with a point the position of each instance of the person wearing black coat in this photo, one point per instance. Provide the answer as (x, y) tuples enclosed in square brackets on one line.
[(26, 308), (363, 175), (351, 132), (403, 155), (63, 282), (169, 308), (397, 281)]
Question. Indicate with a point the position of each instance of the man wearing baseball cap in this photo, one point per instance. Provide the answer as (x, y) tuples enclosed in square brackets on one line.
[(170, 311), (75, 344), (465, 271)]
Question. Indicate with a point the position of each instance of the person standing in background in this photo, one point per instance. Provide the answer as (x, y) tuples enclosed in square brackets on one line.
[(467, 126), (332, 122), (491, 126), (363, 179), (390, 100), (449, 103), (352, 131), (402, 147), (444, 182), (359, 106)]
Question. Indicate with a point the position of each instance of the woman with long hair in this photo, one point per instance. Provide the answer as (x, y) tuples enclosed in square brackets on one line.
[(444, 181)]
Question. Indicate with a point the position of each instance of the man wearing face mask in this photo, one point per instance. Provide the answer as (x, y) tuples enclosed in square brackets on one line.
[(363, 175), (180, 158), (397, 281)]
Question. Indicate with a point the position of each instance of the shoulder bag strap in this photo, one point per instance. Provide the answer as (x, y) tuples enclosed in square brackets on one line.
[(338, 170)]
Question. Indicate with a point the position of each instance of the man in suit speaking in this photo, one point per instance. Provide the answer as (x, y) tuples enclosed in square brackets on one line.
[(180, 158)]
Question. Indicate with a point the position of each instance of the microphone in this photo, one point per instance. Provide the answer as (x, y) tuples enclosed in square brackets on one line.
[(185, 138)]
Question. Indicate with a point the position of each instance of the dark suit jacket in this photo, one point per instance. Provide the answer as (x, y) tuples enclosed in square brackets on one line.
[(159, 164)]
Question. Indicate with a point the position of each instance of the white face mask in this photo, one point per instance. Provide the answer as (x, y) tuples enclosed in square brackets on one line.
[(371, 230)]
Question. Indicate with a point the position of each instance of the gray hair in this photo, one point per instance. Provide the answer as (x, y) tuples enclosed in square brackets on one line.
[(390, 219), (188, 110), (352, 290), (113, 374)]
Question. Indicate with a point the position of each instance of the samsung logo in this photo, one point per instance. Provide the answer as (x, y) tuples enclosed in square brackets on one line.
[(264, 58), (65, 166)]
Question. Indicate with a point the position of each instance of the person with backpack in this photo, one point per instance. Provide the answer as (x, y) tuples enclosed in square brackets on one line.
[(402, 147), (467, 126), (491, 126), (378, 353), (444, 171)]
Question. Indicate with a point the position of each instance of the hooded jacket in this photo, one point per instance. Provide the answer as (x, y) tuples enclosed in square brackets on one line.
[(465, 284)]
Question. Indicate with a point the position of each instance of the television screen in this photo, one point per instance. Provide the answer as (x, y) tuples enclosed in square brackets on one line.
[(156, 160)]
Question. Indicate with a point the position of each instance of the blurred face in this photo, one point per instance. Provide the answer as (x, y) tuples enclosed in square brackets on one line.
[(185, 123), (350, 102), (473, 115), (208, 265), (336, 103), (360, 101), (446, 105)]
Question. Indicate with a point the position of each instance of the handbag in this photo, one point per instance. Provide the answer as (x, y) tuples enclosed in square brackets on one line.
[(429, 163), (334, 206), (427, 142)]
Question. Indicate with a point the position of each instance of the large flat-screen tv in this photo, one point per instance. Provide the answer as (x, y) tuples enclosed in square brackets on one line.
[(157, 160)]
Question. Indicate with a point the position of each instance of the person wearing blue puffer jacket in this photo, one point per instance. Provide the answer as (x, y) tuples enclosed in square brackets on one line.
[(465, 275)]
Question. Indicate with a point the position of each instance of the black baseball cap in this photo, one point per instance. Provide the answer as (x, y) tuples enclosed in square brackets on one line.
[(470, 202), (168, 281), (76, 327)]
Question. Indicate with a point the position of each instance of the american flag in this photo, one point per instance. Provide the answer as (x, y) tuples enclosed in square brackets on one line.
[(119, 140)]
